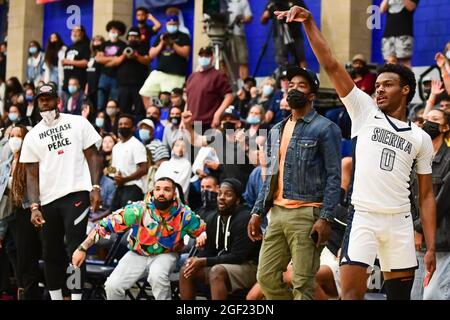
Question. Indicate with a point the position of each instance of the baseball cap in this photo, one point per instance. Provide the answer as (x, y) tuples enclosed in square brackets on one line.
[(231, 111), (134, 31), (359, 57), (172, 18), (147, 122), (48, 89), (306, 73), (159, 152)]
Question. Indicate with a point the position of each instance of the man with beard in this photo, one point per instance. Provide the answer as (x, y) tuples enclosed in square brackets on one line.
[(63, 165), (228, 261), (77, 58), (302, 190), (159, 225)]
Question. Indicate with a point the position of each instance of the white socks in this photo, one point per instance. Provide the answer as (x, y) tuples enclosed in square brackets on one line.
[(56, 294), (77, 296)]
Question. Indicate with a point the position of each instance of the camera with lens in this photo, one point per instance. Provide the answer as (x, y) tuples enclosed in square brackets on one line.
[(278, 5), (128, 51)]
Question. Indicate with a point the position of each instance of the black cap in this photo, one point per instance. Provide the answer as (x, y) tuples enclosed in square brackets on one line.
[(134, 31), (47, 89), (231, 111), (307, 74)]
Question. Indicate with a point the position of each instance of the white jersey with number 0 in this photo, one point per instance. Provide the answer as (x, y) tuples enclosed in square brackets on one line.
[(385, 152)]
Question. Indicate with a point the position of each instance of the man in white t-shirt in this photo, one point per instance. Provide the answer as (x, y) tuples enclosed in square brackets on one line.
[(63, 166), (129, 158), (240, 14), (387, 148)]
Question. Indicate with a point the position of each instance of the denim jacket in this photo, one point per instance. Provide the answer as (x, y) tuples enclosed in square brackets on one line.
[(312, 169)]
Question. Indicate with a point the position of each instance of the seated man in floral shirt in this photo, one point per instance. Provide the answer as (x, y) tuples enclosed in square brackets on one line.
[(159, 225)]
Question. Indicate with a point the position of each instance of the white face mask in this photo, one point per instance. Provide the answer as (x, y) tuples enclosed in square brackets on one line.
[(49, 117), (113, 36), (447, 54), (15, 143)]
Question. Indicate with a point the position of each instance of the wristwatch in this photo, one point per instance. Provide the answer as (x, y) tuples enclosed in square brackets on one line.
[(81, 248)]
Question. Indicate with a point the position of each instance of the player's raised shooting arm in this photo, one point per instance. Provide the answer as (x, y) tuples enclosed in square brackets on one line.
[(341, 80)]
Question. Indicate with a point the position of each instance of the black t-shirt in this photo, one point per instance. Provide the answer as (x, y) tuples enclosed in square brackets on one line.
[(131, 72), (168, 60), (146, 33), (399, 23), (93, 72), (112, 49), (76, 52), (281, 5)]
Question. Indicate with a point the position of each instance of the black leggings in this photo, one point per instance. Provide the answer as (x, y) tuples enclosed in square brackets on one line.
[(63, 231), (28, 250)]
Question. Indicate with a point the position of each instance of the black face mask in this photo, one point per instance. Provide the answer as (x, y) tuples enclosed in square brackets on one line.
[(209, 199), (97, 48), (432, 128), (125, 132), (296, 99), (285, 113), (229, 126), (162, 205), (175, 120), (141, 21), (358, 70), (154, 120)]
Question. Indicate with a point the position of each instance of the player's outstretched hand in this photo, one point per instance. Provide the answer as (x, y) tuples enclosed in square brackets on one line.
[(295, 14)]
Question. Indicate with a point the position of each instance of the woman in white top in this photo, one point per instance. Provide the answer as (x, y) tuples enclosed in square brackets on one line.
[(178, 168), (35, 63)]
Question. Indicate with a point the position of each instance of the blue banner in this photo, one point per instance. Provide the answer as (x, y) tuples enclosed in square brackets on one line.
[(158, 3)]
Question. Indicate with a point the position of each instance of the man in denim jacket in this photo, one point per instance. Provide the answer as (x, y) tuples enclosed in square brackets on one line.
[(301, 191)]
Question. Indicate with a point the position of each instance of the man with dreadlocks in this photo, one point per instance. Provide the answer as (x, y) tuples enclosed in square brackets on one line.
[(159, 225)]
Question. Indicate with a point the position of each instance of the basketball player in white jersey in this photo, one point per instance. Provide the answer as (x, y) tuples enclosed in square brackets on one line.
[(387, 149)]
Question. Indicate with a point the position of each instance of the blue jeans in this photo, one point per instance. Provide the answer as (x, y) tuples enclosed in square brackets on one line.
[(108, 88), (439, 285), (417, 289)]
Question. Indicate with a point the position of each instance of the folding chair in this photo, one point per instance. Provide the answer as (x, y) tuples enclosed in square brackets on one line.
[(97, 271)]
